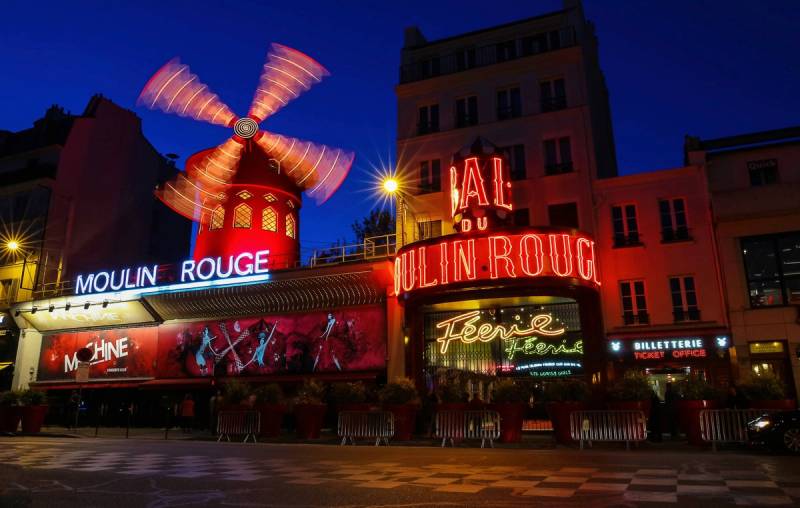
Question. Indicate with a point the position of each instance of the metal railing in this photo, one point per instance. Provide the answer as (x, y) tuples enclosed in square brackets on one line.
[(452, 425), (612, 426), (377, 247), (377, 425), (726, 425), (238, 423)]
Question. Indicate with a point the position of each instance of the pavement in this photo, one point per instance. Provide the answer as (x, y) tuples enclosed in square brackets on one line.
[(100, 472)]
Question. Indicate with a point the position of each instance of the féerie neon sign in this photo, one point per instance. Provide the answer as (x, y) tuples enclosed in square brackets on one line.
[(464, 328)]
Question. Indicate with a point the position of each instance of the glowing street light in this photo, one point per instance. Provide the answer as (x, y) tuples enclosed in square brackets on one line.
[(12, 245), (390, 185)]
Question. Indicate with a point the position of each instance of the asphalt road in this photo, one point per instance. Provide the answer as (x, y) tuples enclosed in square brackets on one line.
[(118, 473)]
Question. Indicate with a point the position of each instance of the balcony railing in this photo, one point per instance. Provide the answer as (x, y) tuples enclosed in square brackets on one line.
[(629, 240), (508, 112), (483, 56), (682, 315), (558, 168), (553, 103), (680, 234), (636, 318), (427, 128), (377, 247)]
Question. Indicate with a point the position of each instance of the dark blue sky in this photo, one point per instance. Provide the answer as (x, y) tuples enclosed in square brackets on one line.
[(709, 68)]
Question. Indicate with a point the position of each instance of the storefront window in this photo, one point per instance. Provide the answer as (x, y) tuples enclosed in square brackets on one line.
[(535, 340), (772, 267)]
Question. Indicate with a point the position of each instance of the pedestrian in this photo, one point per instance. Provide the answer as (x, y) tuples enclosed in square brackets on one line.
[(655, 417), (73, 406), (670, 398), (214, 405), (187, 413), (735, 399)]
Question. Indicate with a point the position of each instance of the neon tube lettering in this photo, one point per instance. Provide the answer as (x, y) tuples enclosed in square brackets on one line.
[(527, 243), (472, 186), (463, 328), (500, 185), (500, 253), (464, 259), (423, 270), (556, 257)]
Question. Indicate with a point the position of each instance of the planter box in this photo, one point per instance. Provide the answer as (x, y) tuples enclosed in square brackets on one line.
[(689, 417), (309, 419), (271, 418), (33, 418), (559, 415), (10, 417), (776, 405), (511, 416), (405, 419), (357, 406), (632, 405)]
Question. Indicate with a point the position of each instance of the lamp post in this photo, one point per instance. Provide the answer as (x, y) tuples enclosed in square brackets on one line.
[(391, 187)]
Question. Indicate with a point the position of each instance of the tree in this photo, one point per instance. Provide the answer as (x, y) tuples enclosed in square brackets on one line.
[(377, 223)]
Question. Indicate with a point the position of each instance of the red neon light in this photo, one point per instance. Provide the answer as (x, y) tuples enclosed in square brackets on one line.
[(491, 257), (466, 225), (472, 186), (453, 191), (482, 223), (500, 185), (496, 255)]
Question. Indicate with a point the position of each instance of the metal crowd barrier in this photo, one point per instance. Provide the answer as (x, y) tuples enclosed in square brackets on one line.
[(726, 425), (452, 425), (614, 426), (238, 423), (377, 425)]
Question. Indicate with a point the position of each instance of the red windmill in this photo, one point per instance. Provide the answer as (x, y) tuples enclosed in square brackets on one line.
[(245, 193)]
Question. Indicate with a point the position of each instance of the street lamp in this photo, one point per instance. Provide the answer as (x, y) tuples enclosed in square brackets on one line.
[(391, 187), (12, 245)]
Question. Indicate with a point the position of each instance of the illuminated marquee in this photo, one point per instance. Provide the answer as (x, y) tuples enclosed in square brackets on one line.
[(530, 254), (146, 277), (480, 192), (678, 348)]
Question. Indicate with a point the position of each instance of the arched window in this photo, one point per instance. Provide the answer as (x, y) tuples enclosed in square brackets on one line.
[(217, 218), (269, 219), (291, 230), (270, 197), (242, 216)]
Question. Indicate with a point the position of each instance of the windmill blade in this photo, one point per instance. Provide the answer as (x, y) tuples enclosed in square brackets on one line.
[(174, 89), (218, 167), (286, 75), (186, 196), (319, 169)]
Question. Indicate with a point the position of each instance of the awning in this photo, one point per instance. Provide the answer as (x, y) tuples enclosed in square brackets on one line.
[(202, 382)]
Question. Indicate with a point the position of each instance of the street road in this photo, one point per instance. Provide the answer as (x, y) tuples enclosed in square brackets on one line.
[(131, 473)]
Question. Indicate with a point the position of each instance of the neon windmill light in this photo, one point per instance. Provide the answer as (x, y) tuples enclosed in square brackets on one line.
[(245, 193)]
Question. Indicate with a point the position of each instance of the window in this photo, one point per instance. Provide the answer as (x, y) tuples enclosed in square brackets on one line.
[(553, 95), (290, 204), (555, 39), (428, 119), (429, 68), (534, 44), (291, 229), (269, 219), (465, 59), (634, 305), (515, 155), (626, 228), (244, 194), (564, 215), (270, 197), (509, 103), (506, 51), (673, 220), (430, 176), (763, 172), (429, 229), (217, 218), (557, 156), (7, 290), (521, 217), (242, 216), (684, 299), (467, 111), (772, 268)]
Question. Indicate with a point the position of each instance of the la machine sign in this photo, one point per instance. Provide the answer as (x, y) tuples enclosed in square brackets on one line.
[(247, 266)]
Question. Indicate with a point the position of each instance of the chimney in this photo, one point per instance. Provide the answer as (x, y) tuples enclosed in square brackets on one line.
[(413, 37)]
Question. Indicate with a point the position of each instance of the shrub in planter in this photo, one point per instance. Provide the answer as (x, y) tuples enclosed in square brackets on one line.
[(269, 403), (34, 409), (309, 409), (766, 391), (401, 399), (562, 398), (451, 396), (236, 394), (350, 396), (10, 411), (696, 394), (510, 399), (631, 391)]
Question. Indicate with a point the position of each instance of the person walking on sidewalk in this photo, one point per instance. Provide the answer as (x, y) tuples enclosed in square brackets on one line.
[(187, 413)]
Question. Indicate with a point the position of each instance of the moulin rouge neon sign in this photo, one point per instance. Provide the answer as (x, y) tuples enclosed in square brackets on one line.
[(464, 328)]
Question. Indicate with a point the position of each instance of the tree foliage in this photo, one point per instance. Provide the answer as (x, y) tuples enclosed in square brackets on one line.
[(377, 223)]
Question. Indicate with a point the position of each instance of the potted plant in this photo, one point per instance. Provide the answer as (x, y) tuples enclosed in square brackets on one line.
[(696, 394), (401, 399), (269, 404), (350, 396), (450, 396), (630, 392), (236, 394), (309, 409), (34, 409), (563, 397), (766, 391), (10, 411), (510, 399)]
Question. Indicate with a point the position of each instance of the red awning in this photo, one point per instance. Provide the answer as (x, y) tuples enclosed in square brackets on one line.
[(202, 382)]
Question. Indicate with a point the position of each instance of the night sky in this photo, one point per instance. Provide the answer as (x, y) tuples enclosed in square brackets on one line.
[(700, 67)]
